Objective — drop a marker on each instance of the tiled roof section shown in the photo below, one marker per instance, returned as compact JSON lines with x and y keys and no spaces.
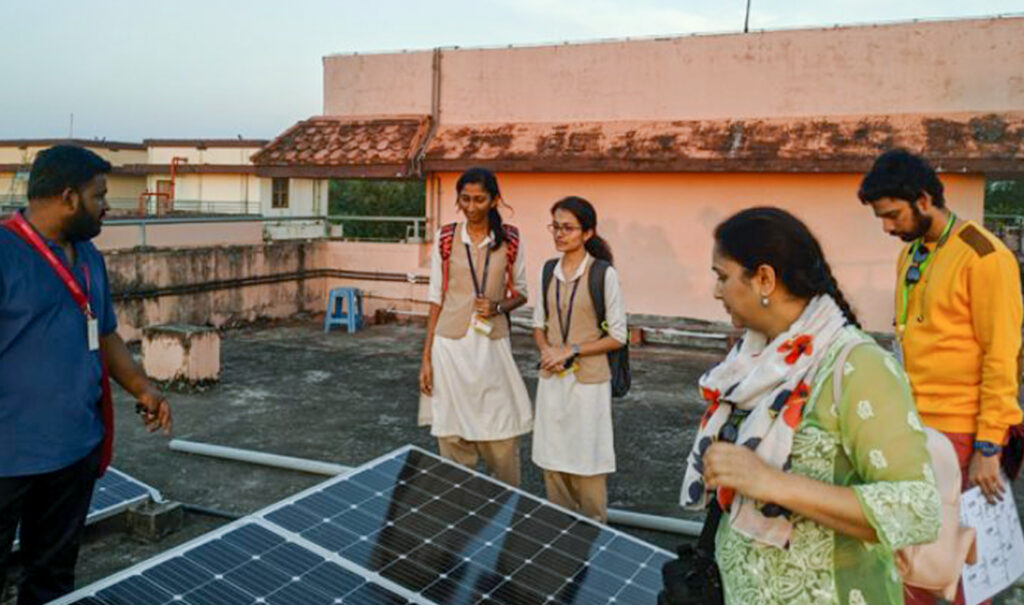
{"x":345,"y":147}
{"x":991,"y":143}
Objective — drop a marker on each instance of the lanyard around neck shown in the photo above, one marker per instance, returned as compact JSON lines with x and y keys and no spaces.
{"x":479,"y":286}
{"x":906,"y":288}
{"x":566,"y":323}
{"x":24,"y":230}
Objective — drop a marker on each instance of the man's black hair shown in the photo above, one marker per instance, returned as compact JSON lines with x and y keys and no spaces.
{"x":899,"y":174}
{"x":62,"y":166}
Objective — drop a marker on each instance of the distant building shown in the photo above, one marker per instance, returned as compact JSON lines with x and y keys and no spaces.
{"x":124,"y":184}
{"x":210,"y":175}
{"x":669,"y":136}
{"x":158,"y":176}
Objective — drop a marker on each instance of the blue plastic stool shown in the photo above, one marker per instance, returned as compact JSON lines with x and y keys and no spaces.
{"x":344,"y":308}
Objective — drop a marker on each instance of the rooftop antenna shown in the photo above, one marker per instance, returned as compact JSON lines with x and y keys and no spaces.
{"x":746,"y":20}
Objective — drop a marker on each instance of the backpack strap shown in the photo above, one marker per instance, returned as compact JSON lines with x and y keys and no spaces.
{"x":511,"y":253}
{"x":545,"y":280}
{"x":445,"y":247}
{"x":596,"y":285}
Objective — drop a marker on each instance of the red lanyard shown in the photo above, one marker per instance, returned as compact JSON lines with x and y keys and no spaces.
{"x":21,"y":228}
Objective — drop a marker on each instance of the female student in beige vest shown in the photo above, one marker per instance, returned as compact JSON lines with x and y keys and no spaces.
{"x":472,"y":393}
{"x":572,"y":439}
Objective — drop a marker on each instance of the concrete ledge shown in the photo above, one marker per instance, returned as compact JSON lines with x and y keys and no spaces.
{"x":151,"y":521}
{"x":182,"y":355}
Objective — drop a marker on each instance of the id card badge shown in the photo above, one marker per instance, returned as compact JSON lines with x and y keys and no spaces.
{"x":575,"y":367}
{"x":93,"y":328}
{"x":481,"y":325}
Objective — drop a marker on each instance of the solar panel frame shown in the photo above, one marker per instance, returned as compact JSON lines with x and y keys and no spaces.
{"x":97,"y":512}
{"x":330,"y":499}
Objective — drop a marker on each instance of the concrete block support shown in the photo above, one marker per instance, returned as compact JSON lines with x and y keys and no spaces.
{"x":151,"y":521}
{"x":182,"y":354}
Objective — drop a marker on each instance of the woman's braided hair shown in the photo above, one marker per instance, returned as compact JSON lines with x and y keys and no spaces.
{"x":774,"y":237}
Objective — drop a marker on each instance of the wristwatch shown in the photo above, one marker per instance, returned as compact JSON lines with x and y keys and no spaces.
{"x":497,"y":308}
{"x":572,"y":358}
{"x":987,"y":448}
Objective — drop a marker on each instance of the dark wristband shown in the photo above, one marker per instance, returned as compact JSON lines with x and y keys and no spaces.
{"x":987,"y":448}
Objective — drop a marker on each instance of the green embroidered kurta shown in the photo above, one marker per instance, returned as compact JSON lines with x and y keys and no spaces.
{"x":873,"y":441}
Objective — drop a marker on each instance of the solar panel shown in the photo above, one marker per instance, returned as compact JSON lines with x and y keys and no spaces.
{"x":407,"y":527}
{"x":114,"y":493}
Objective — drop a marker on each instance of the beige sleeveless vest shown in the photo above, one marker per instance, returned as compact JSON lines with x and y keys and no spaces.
{"x":583,"y":328}
{"x":457,"y":306}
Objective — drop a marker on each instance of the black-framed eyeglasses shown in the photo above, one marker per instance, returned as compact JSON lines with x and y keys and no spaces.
{"x":556,"y":228}
{"x":914,"y":271}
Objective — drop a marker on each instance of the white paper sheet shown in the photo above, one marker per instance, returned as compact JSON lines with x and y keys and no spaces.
{"x":1000,"y":544}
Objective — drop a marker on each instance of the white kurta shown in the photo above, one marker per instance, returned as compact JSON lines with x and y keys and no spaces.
{"x":479,"y":394}
{"x":573,"y":428}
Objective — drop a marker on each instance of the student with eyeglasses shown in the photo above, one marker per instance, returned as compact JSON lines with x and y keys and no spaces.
{"x":958,"y":316}
{"x":572,"y":434}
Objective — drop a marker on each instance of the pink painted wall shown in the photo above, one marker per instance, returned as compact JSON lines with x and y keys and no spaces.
{"x":375,"y":84}
{"x":660,"y":229}
{"x":148,"y":269}
{"x":411,"y":259}
{"x":932,"y":67}
{"x":153,"y":268}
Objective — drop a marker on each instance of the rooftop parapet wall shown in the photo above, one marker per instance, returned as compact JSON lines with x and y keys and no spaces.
{"x":913,"y":68}
{"x":214,"y":286}
{"x":227,"y":285}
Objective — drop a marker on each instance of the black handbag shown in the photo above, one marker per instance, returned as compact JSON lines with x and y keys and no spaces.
{"x":693,"y":578}
{"x":1013,"y":452}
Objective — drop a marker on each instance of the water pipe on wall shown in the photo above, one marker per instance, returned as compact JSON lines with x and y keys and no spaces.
{"x":166,"y":195}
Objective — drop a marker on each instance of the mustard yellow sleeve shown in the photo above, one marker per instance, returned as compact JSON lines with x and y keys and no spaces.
{"x":996,"y":311}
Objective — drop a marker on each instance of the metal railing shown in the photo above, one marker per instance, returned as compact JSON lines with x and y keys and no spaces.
{"x":415,"y":229}
{"x":416,"y":225}
{"x":130,"y":204}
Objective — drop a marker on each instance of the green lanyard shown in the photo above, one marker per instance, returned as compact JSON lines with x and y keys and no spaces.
{"x":907,"y":288}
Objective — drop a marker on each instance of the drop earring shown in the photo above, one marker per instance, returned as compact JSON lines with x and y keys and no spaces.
{"x":764,"y":301}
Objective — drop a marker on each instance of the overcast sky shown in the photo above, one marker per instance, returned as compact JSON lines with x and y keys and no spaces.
{"x":132,"y":69}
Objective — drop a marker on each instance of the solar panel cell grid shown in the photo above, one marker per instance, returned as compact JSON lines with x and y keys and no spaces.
{"x":408,"y":526}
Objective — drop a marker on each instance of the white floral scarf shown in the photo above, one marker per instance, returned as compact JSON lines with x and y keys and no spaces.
{"x":767,"y":384}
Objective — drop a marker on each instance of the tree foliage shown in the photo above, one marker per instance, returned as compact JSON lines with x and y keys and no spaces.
{"x":1004,"y":197}
{"x":376,"y":198}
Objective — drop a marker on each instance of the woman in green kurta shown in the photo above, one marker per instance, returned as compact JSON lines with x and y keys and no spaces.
{"x":819,"y":493}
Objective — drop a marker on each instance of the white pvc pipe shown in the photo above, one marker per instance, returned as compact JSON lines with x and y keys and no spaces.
{"x":619,"y":517}
{"x":254,"y":457}
{"x":665,"y":524}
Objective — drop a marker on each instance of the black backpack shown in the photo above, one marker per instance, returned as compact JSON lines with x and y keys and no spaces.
{"x":618,"y":360}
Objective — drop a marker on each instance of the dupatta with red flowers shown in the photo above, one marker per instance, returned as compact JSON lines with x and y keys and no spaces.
{"x":768,"y":384}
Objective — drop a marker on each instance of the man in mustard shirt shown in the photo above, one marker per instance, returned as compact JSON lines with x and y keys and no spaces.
{"x":958,"y":314}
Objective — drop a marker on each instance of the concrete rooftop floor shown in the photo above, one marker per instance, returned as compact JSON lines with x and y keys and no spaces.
{"x":290,"y":389}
